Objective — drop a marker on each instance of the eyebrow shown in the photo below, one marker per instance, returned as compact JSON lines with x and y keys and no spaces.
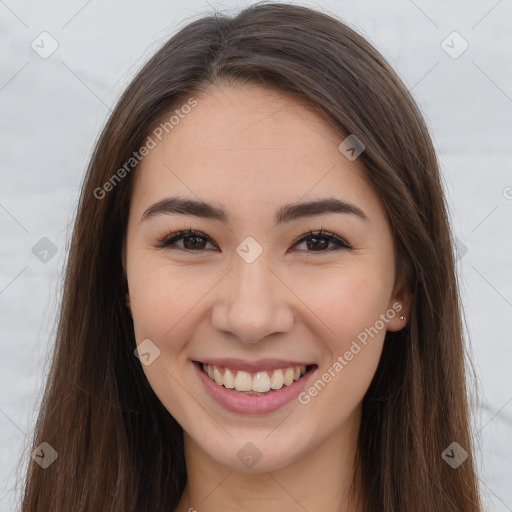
{"x":286,"y":213}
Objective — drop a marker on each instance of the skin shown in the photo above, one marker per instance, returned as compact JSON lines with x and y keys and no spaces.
{"x":250,"y":150}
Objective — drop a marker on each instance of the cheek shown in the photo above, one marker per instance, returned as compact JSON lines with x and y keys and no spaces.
{"x":347,"y":301}
{"x":164,"y":301}
{"x":351,"y":306}
{"x":165,"y":309}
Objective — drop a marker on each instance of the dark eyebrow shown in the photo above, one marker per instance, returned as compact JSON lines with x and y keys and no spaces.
{"x":286,"y":213}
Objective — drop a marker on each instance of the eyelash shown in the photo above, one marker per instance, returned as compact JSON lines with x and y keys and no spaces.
{"x":171,"y":238}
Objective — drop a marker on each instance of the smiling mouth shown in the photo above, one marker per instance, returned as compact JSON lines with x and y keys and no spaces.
{"x":254,"y":383}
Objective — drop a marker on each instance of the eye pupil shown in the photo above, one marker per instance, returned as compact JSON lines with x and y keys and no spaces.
{"x":195,"y":239}
{"x":319,"y":245}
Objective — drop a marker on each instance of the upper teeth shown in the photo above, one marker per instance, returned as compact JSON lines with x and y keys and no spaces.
{"x":260,"y":382}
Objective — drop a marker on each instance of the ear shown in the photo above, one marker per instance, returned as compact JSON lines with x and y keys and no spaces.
{"x":400,"y":304}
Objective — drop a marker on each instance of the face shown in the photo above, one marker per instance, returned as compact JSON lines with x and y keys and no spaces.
{"x":257,"y":288}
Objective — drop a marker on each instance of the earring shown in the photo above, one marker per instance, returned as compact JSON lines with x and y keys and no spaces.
{"x":402,"y":317}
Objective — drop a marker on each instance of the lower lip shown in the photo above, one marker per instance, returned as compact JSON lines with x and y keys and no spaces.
{"x":252,"y":404}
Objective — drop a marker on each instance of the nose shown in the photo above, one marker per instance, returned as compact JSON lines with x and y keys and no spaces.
{"x":253,"y":302}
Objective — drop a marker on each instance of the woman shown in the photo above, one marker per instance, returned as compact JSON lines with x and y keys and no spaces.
{"x":260,"y":308}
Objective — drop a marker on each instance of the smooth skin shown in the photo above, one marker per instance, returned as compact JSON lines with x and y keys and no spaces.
{"x":251,"y":150}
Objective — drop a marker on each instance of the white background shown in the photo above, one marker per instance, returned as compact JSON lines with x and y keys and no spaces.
{"x":52,"y":111}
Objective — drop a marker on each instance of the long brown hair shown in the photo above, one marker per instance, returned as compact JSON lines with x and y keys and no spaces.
{"x":118,"y":448}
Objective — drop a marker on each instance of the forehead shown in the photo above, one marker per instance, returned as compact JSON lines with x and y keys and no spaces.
{"x":249,"y":147}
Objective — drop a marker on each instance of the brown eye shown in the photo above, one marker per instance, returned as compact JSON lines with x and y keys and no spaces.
{"x":320,"y":240}
{"x":192,"y":240}
{"x":192,"y":243}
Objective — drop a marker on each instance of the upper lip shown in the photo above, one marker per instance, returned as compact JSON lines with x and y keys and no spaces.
{"x":252,"y":366}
